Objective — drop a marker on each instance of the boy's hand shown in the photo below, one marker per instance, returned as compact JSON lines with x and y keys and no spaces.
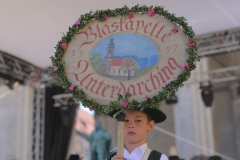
{"x":118,"y":157}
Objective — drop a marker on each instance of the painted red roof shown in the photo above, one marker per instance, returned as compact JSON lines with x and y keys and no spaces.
{"x":117,"y":61}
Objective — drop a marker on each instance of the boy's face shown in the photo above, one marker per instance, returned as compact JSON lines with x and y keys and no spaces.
{"x":136,"y":127}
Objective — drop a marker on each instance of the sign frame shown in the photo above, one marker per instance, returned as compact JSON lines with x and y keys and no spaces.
{"x":123,"y":101}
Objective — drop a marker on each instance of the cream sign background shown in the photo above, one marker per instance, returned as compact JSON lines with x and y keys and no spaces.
{"x":105,"y":87}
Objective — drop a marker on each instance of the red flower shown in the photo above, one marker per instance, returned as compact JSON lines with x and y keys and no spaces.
{"x":64,"y":45}
{"x":186,"y":66}
{"x":166,"y":84}
{"x":105,"y":17}
{"x":90,"y":108}
{"x":77,"y":22}
{"x":55,"y":69}
{"x":125,"y":104}
{"x":175,"y":30}
{"x":130,"y":15}
{"x":146,"y":98}
{"x":71,"y":87}
{"x":191,"y":43}
{"x":151,"y":12}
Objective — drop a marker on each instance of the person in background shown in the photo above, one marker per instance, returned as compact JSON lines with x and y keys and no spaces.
{"x":173,"y":154}
{"x":215,"y":158}
{"x":74,"y":157}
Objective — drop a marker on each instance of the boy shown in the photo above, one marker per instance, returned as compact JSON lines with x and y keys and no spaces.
{"x":136,"y":127}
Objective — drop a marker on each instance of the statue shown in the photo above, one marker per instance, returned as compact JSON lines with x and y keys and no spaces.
{"x":100,"y":143}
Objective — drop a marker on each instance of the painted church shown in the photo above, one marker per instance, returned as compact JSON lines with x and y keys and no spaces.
{"x":113,"y":65}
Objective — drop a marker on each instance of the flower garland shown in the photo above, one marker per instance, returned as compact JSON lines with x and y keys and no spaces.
{"x":123,"y":104}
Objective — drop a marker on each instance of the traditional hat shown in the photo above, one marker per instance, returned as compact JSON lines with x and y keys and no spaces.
{"x":157,"y":115}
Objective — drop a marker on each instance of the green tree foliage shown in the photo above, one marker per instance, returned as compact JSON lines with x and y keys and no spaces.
{"x":129,"y":65}
{"x":98,"y":63}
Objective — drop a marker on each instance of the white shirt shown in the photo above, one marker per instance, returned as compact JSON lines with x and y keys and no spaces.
{"x":137,"y":153}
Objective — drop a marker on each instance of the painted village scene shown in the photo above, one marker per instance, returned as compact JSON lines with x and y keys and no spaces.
{"x":124,"y":56}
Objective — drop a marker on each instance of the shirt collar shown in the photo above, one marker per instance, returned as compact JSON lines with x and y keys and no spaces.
{"x":142,"y":148}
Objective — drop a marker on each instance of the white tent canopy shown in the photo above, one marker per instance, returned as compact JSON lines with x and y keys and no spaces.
{"x":31,"y":29}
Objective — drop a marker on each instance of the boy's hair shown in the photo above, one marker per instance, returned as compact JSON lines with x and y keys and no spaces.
{"x":149,"y":117}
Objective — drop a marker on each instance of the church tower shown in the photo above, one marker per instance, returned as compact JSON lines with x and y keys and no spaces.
{"x":109,"y":59}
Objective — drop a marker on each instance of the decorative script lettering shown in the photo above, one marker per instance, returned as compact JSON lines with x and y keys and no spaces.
{"x":155,"y":81}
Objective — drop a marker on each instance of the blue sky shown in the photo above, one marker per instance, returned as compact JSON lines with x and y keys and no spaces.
{"x":127,"y":44}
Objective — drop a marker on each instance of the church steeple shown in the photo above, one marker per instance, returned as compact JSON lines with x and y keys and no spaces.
{"x":111,"y":43}
{"x":110,"y":54}
{"x":110,"y":48}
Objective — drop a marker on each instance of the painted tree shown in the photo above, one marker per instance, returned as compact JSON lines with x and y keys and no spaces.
{"x":98,"y":63}
{"x":129,"y":65}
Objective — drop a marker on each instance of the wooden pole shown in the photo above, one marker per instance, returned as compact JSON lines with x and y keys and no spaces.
{"x":120,"y":134}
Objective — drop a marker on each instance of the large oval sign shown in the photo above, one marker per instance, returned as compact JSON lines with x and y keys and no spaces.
{"x":105,"y":57}
{"x":139,"y":56}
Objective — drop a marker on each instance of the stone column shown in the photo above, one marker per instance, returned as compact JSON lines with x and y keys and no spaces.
{"x":206,"y":119}
{"x":236,"y":115}
{"x":186,"y":124}
{"x":193,"y":121}
{"x":15,"y":122}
